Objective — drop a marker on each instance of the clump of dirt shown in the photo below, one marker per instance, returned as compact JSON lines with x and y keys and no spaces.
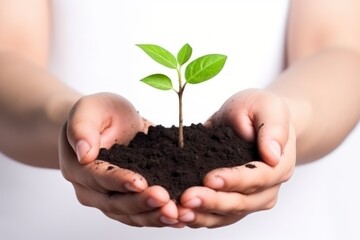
{"x":157,"y":157}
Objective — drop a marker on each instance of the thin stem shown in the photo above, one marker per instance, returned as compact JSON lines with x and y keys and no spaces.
{"x":181,"y":131}
{"x":180,"y":94}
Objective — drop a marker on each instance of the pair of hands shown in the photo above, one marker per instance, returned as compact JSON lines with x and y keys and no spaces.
{"x":227,"y":194}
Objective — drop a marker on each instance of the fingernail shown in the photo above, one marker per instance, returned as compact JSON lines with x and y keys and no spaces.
{"x":217,"y":182}
{"x":275,"y":149}
{"x":168,"y":221}
{"x":193,"y":203}
{"x":188,"y":217}
{"x":153,"y":203}
{"x":131,"y":187}
{"x":82,"y":148}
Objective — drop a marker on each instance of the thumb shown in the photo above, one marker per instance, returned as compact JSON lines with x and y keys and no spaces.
{"x":87,"y":126}
{"x":84,"y":138}
{"x":272,"y":135}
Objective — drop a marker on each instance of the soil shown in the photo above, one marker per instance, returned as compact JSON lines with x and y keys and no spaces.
{"x":157,"y":157}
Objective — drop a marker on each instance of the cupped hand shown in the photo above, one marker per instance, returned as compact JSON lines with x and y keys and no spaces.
{"x":229,"y":194}
{"x":100,"y":120}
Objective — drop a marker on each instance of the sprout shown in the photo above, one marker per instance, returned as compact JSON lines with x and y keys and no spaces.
{"x":197,"y":71}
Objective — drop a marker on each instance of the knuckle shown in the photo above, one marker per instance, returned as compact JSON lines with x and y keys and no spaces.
{"x":285,"y":177}
{"x":199,"y":222}
{"x":83,"y":200}
{"x":240,"y":210}
{"x":271,"y":204}
{"x":125,"y":219}
{"x":66,"y":175}
{"x":194,"y":225}
{"x":110,"y":207}
{"x":256,"y":186}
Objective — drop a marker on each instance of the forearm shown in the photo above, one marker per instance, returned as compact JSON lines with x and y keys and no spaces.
{"x":33,"y":106}
{"x":322,"y":94}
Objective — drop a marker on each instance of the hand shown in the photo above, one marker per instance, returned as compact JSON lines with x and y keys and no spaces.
{"x":101,"y":120}
{"x":229,"y":194}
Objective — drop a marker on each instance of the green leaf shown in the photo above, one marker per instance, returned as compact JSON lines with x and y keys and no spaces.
{"x":204,"y":68}
{"x":159,"y":54}
{"x":159,"y":81}
{"x":184,"y":54}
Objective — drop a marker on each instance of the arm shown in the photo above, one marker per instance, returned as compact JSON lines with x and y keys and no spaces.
{"x":313,"y":104}
{"x":321,"y":84}
{"x":33,"y":104}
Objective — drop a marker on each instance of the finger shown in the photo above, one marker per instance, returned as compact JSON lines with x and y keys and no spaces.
{"x":255,"y":176}
{"x":257,"y":115}
{"x":248,"y":180}
{"x":100,"y":120}
{"x":243,"y":179}
{"x":151,"y":218}
{"x":208,"y":220}
{"x":99,"y":189}
{"x":272,"y":127}
{"x":237,"y":119}
{"x":123,"y":203}
{"x":85,"y":140}
{"x":98,"y":175}
{"x":197,"y":219}
{"x":216,"y":208}
{"x":102,"y":175}
{"x":88,"y":128}
{"x":230,"y":179}
{"x":225,"y":203}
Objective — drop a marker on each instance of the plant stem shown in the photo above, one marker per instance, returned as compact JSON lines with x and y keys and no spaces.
{"x":181,"y":131}
{"x":180,"y":94}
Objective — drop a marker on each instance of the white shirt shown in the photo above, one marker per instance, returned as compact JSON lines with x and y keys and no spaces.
{"x":94,"y":50}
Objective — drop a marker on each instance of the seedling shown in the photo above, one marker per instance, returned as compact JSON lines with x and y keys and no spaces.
{"x":197,"y":71}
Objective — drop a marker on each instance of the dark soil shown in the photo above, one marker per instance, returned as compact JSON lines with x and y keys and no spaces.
{"x":157,"y":157}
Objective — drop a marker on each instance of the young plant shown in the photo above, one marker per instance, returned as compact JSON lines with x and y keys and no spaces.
{"x":197,"y":71}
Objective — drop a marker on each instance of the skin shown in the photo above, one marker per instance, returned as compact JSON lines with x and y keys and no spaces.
{"x":294,"y":120}
{"x":33,"y":104}
{"x":323,"y":56}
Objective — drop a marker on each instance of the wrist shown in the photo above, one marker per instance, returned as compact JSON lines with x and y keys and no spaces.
{"x":58,"y":106}
{"x":300,"y":114}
